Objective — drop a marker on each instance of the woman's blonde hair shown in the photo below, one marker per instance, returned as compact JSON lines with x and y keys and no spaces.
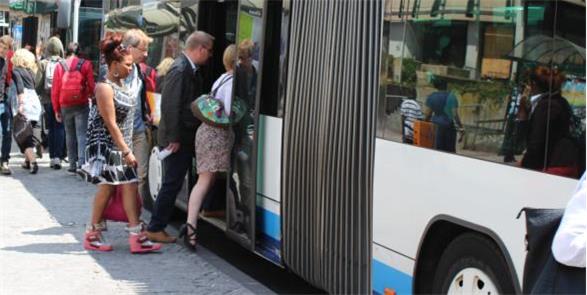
{"x":246,"y":46}
{"x":25,"y":59}
{"x":229,"y":57}
{"x":164,"y":66}
{"x":7,"y":41}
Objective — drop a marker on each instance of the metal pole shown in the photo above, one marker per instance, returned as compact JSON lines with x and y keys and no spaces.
{"x":76,"y":5}
{"x":401,"y":60}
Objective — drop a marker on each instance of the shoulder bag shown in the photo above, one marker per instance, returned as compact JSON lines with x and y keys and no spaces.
{"x":542,"y":273}
{"x":211,"y":111}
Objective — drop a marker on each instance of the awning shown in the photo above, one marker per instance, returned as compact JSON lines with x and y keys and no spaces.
{"x":33,"y":6}
{"x":550,"y":51}
{"x":156,"y":20}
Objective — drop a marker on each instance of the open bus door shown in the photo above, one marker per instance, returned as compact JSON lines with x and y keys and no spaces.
{"x":220,"y":19}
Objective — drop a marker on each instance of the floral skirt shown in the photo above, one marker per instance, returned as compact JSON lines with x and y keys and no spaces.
{"x":213,"y":148}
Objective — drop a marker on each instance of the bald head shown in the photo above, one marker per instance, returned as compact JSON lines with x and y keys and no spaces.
{"x":199,"y":46}
{"x":197,"y":39}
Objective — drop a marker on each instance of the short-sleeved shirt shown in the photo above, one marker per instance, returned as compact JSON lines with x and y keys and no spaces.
{"x":411,"y":111}
{"x":442,"y":104}
{"x":23,"y":78}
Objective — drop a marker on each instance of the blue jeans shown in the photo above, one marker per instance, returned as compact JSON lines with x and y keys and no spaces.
{"x":75,"y":119}
{"x":6,"y":122}
{"x":56,"y":136}
{"x":175,"y":167}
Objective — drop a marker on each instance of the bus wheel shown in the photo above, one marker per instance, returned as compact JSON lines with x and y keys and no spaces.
{"x":154,"y":179}
{"x":472,"y":264}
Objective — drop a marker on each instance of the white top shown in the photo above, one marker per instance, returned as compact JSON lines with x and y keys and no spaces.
{"x":224,"y":93}
{"x":412,"y":111}
{"x":191,"y":62}
{"x":568,"y":246}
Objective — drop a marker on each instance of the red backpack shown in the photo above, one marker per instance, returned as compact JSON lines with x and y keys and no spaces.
{"x":73,"y":82}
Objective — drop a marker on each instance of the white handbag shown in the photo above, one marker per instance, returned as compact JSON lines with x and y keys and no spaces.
{"x":32,"y":108}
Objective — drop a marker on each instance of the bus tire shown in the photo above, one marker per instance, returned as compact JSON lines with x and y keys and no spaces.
{"x":472,"y":263}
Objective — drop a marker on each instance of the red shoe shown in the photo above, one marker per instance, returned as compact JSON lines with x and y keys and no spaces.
{"x":137,"y":239}
{"x":94,"y":241}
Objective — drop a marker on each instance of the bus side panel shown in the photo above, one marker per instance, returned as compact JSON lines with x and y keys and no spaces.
{"x":412,"y":185}
{"x":269,"y":159}
{"x":268,"y":221}
{"x":390,"y":270}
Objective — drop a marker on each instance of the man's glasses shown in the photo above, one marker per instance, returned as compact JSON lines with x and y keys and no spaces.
{"x":141,"y":49}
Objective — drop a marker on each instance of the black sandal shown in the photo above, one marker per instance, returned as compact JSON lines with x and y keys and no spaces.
{"x":188,"y":238}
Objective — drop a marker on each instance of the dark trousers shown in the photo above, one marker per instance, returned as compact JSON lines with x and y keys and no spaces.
{"x":56,"y":136}
{"x":175,"y":168}
{"x":6,"y":122}
{"x":445,"y":139}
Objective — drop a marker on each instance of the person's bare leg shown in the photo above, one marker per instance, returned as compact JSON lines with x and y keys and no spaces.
{"x":129,"y":202}
{"x":29,"y":155}
{"x":100,"y":202}
{"x":205,"y":181}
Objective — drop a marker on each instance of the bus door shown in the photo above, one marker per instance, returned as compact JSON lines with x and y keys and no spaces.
{"x":231,"y":22}
{"x":242,"y":179}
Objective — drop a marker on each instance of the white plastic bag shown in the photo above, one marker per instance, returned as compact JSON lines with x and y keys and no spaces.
{"x":32,"y":108}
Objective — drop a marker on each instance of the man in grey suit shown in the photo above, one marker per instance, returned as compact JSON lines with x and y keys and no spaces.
{"x":177,"y":127}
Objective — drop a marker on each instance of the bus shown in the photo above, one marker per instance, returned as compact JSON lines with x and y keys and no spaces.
{"x":337,"y":175}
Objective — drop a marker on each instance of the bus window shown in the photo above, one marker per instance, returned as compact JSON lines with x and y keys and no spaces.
{"x":90,"y":28}
{"x":249,"y":42}
{"x":563,"y":109}
{"x":453,"y":80}
{"x":271,"y":103}
{"x":161,"y":19}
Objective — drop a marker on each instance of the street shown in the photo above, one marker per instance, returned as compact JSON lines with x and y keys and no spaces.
{"x":43,"y":219}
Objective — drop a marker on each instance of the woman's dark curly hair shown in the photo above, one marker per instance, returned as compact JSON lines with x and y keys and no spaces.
{"x":112,"y":49}
{"x":547,"y":79}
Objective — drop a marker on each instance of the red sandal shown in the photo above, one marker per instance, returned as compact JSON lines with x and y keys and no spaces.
{"x":94,"y":241}
{"x":137,"y":239}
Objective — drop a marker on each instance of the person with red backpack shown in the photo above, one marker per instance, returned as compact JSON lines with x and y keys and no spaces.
{"x":73,"y":85}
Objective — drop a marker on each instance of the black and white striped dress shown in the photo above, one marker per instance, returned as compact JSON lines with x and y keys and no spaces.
{"x":104,"y":161}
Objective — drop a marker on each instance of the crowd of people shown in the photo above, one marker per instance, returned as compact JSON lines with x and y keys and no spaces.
{"x":51,"y":99}
{"x":102,"y":127}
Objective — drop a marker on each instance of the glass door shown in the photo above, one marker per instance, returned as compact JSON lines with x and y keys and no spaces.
{"x":241,"y":192}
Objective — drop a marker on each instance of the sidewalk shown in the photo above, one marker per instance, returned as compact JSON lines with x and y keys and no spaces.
{"x":42,"y":221}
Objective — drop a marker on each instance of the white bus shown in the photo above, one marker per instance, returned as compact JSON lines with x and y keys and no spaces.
{"x":328,"y":178}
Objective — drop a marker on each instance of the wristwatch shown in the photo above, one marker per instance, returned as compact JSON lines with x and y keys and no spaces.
{"x":126,"y":153}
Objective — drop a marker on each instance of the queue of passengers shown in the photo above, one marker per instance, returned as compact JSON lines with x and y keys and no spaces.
{"x":102,"y":126}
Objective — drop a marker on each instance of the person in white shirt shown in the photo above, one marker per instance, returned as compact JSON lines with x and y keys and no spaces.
{"x":568,"y":246}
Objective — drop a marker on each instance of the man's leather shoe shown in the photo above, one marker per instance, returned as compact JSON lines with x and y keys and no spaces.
{"x":160,"y":237}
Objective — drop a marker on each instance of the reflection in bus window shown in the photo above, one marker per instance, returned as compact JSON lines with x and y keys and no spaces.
{"x":242,"y":177}
{"x":483,"y":52}
{"x":548,"y":110}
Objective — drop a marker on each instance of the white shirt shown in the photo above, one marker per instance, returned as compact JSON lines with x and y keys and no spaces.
{"x":191,"y":62}
{"x":412,"y":111}
{"x":568,"y":246}
{"x":224,"y":93}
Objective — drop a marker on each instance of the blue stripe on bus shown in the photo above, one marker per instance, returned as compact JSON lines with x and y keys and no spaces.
{"x":269,"y":223}
{"x":384,"y":276}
